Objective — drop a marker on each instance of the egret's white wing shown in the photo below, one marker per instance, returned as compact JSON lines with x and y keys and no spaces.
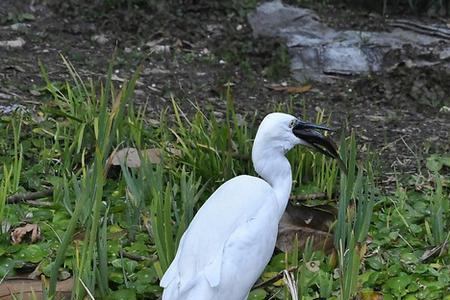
{"x":229,"y":208}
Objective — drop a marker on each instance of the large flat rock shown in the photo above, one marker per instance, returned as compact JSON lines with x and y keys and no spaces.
{"x":320,"y":52}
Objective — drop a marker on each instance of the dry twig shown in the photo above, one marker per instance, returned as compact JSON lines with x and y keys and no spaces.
{"x":138,"y":257}
{"x":29,"y":196}
{"x":274,"y":278}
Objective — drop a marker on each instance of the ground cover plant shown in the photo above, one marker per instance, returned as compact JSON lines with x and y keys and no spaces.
{"x":111,"y":221}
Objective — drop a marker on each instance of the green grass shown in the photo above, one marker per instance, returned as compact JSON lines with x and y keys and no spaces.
{"x":115,"y":229}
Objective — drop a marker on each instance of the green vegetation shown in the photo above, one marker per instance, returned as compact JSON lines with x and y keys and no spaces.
{"x":114,"y":229}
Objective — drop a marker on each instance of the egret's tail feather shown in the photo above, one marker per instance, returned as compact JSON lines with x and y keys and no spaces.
{"x":171,"y":292}
{"x":199,"y":290}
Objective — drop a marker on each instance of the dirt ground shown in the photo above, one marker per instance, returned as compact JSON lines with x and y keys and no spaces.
{"x":193,"y":51}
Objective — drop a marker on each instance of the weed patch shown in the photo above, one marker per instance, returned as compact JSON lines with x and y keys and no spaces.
{"x":114,"y":230}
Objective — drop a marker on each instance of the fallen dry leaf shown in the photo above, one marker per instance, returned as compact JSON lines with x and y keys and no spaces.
{"x":28,"y":289}
{"x":290,"y":89}
{"x":32,"y":230}
{"x":174,"y":151}
{"x":305,"y":221}
{"x":153,"y":155}
{"x":434,"y":252}
{"x":130,"y":157}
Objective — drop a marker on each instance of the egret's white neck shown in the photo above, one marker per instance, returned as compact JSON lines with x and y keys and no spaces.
{"x":274,"y":167}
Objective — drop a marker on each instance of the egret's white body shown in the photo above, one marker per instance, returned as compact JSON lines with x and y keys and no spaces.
{"x":232,"y":237}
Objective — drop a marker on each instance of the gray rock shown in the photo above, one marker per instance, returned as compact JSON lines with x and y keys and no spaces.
{"x":319,"y":51}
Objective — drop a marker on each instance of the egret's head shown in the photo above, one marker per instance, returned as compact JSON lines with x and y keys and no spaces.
{"x":280,"y":132}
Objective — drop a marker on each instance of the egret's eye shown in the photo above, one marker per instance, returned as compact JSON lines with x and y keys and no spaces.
{"x":293,"y":123}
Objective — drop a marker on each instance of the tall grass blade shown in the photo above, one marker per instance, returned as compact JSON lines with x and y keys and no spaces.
{"x":105,"y":123}
{"x":354,"y":215}
{"x":4,"y":191}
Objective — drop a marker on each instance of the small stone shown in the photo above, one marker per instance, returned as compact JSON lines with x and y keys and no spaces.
{"x":160,"y":49}
{"x":218,"y":114}
{"x":149,"y":71}
{"x":21,"y":27}
{"x":35,"y":92}
{"x":153,"y":122}
{"x":100,"y":39}
{"x":17,"y":43}
{"x":139,"y":93}
{"x":444,"y":54}
{"x":5,"y":96}
{"x":214,"y":28}
{"x":75,"y":29}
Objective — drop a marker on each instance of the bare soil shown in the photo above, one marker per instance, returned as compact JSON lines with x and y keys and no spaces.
{"x":195,"y":50}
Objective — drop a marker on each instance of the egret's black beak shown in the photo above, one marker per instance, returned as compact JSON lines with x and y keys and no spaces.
{"x":323,"y":144}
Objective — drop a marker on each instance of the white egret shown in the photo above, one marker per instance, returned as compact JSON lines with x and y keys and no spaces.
{"x":232,"y":237}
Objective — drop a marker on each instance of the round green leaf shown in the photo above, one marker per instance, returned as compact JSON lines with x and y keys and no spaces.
{"x":125,"y":294}
{"x":434,"y":163}
{"x":146,"y":275}
{"x":397,"y":285}
{"x":6,"y":266}
{"x":116,"y":277}
{"x":258,"y":294}
{"x":32,"y":253}
{"x":128,"y":264}
{"x":375,"y":263}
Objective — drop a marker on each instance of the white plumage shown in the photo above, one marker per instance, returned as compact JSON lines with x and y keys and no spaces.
{"x":232,"y":237}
